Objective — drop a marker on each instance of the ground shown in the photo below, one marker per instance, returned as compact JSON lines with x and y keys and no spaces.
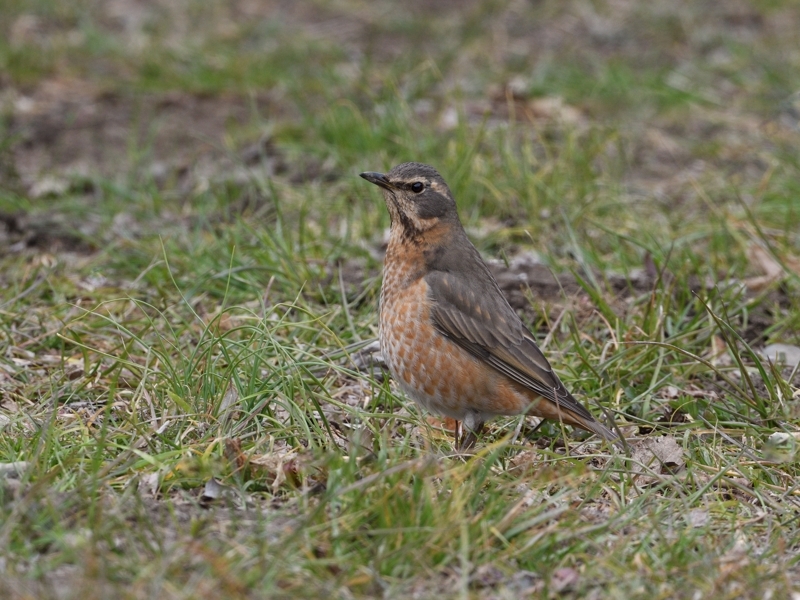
{"x":190,"y":265}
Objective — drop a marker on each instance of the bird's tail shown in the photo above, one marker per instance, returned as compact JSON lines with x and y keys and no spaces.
{"x":598,"y":428}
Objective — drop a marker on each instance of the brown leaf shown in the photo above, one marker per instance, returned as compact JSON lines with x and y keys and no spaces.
{"x":564,"y":579}
{"x":762,"y":261}
{"x":279,"y":468}
{"x":233,"y":453}
{"x":662,"y":455}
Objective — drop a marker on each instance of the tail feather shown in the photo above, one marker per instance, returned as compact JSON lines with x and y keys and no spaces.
{"x":598,"y":428}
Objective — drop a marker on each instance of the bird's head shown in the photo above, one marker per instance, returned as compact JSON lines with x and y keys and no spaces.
{"x":417,"y":197}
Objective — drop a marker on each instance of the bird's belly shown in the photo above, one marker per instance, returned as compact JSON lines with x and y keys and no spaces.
{"x":437,"y":373}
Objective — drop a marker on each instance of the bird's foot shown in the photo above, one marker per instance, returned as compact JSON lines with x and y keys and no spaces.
{"x":466,"y":437}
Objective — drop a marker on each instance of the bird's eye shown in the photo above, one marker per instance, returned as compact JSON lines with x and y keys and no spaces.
{"x":417,"y":187}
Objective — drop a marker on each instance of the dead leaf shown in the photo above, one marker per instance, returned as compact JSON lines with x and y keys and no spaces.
{"x":670,"y":392}
{"x":487,"y":576}
{"x":555,"y":109}
{"x":780,"y":447}
{"x":764,"y":262}
{"x":662,"y":456}
{"x":526,"y":584}
{"x":697,"y":517}
{"x":233,"y":453}
{"x":564,"y":579}
{"x":360,"y":439}
{"x":782,"y":353}
{"x":229,"y":400}
{"x":13,"y":469}
{"x":150,"y":483}
{"x":278,"y":468}
{"x":735,"y":558}
{"x":49,"y":186}
{"x":214,"y":490}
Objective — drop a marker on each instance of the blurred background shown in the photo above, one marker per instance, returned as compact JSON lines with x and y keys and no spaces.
{"x":679,"y":106}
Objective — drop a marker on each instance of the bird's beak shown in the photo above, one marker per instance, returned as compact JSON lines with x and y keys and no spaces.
{"x":378,"y":179}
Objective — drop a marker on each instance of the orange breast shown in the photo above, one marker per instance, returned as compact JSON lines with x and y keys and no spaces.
{"x":433,"y":370}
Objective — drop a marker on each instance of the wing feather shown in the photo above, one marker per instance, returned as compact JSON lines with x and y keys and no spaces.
{"x":486,"y":326}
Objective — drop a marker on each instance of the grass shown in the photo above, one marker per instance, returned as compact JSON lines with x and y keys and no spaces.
{"x":184,"y":408}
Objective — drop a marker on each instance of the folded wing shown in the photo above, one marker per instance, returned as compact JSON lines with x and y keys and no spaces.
{"x":482,"y":322}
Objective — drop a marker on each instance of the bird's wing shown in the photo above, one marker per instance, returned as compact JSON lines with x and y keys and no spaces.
{"x":481,"y":321}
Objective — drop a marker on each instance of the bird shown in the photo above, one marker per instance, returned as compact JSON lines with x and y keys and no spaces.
{"x":447,"y":333}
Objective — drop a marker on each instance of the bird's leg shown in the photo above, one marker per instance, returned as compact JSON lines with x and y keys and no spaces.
{"x":468,"y":441}
{"x":474,"y":426}
{"x":531,"y":432}
{"x":458,"y":430}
